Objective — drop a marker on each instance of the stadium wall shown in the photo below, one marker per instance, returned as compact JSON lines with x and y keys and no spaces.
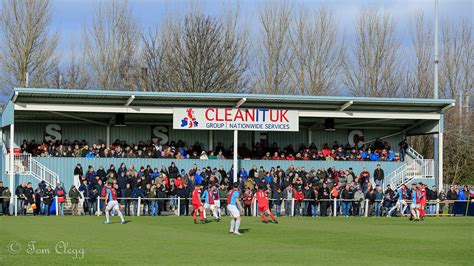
{"x":135,"y":133}
{"x":65,"y":166}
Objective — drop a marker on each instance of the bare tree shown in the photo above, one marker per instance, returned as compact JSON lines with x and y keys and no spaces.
{"x":457,"y":72}
{"x":28,"y":46}
{"x":421,"y":82}
{"x":156,"y":45}
{"x":273,"y":58}
{"x":112,"y":46}
{"x":420,"y":73}
{"x":74,"y":75}
{"x":373,"y":68}
{"x":197,"y":54}
{"x":317,"y":52}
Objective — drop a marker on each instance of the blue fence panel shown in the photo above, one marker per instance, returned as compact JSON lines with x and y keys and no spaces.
{"x":65,"y":166}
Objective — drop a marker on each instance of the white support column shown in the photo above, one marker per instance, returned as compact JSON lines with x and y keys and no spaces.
{"x":179,"y":206}
{"x":439,"y":148}
{"x":440,"y":161}
{"x":98,"y":206}
{"x":211,"y":140}
{"x":139,"y":205}
{"x":366,"y":209}
{"x":236,"y":167}
{"x":57,"y":205}
{"x":107,"y":138}
{"x":310,"y":137}
{"x":12,"y":154}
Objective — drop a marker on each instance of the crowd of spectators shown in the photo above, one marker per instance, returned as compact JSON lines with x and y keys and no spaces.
{"x":376,"y":151}
{"x":312,"y":191}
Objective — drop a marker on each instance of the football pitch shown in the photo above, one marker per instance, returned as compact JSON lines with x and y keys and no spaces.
{"x":294,"y":241}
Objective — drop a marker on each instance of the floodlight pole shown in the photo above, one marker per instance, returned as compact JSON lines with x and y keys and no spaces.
{"x":437,"y":141}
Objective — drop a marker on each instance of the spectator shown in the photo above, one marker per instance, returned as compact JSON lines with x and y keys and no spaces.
{"x":299,"y":198}
{"x":347,"y":195}
{"x":75,"y":196}
{"x":288,"y":196}
{"x":278,"y":199}
{"x":324,"y":199}
{"x":387,"y":204}
{"x":452,"y":195}
{"x":370,"y":195}
{"x":126,"y":194}
{"x":358,"y":201}
{"x":379,"y":176}
{"x":61,"y":194}
{"x":403,"y":146}
{"x":247,"y":199}
{"x":307,"y":192}
{"x":19,"y":192}
{"x":93,"y":200}
{"x":182,"y":194}
{"x":378,"y":196}
{"x":48,"y":197}
{"x":6,"y":194}
{"x":442,"y":197}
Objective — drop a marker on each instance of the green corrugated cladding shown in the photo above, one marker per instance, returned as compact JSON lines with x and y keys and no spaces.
{"x":65,"y":166}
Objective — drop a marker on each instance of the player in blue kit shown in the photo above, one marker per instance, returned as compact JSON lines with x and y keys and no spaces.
{"x":415,"y":213}
{"x":234,"y":207}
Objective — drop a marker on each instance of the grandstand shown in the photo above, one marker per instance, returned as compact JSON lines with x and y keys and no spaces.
{"x":159,"y":120}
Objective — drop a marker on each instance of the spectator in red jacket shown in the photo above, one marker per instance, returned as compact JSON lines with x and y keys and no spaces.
{"x":299,"y":197}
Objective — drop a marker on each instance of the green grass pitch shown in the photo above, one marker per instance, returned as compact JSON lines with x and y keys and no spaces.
{"x":294,"y":241}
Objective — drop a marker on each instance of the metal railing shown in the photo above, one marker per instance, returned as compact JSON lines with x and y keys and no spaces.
{"x":419,"y":168}
{"x":423,"y":168}
{"x":398,"y":177}
{"x":285,"y":207}
{"x":416,"y":155}
{"x":24,"y":164}
{"x":42,"y":172}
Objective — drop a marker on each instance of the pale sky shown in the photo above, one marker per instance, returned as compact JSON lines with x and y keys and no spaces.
{"x":71,"y":15}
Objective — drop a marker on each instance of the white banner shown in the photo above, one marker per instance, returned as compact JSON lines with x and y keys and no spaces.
{"x":258,"y":119}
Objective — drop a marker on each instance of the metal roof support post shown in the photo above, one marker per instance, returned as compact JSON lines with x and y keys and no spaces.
{"x":440,"y":151}
{"x":12,"y":162}
{"x":107,"y":137}
{"x":211,"y":140}
{"x":309,"y":136}
{"x":236,"y":168}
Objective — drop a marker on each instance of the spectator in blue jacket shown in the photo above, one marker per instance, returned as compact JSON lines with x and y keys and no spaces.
{"x":90,"y":175}
{"x":243,"y":173}
{"x":154,"y":174}
{"x":198,"y":177}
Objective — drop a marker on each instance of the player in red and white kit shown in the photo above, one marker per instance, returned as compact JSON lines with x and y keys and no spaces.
{"x":197,"y":205}
{"x":261,"y":197}
{"x":422,"y":198}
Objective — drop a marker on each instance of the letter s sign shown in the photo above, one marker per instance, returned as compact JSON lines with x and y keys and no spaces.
{"x":53,"y":133}
{"x":159,"y":133}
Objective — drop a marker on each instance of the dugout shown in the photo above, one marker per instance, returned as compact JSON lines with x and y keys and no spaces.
{"x":92,"y":115}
